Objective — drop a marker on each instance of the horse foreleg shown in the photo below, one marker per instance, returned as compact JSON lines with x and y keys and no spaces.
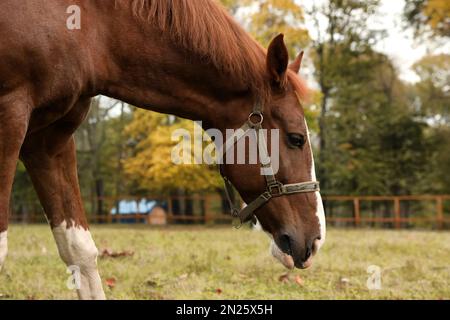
{"x":51,"y":163}
{"x":14,"y":118}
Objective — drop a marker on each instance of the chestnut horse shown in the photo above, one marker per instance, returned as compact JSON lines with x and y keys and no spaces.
{"x":181,"y":57}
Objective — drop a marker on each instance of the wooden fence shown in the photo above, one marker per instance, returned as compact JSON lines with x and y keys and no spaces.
{"x":400,"y":211}
{"x":428,"y":211}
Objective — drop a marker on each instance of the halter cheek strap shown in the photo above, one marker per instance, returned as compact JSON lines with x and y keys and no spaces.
{"x":274,"y":188}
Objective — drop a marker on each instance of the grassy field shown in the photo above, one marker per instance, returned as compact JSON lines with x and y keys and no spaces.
{"x":223,"y":263}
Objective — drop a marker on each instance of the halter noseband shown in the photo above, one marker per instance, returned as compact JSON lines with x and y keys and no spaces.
{"x":274,"y":188}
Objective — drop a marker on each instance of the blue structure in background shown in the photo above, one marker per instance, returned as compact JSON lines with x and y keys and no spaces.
{"x":132,"y":207}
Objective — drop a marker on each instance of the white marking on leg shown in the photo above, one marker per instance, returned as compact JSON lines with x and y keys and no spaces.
{"x":3,"y":247}
{"x":77,"y":248}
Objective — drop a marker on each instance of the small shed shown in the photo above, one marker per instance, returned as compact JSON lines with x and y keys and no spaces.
{"x":157,"y":217}
{"x":128,"y":209}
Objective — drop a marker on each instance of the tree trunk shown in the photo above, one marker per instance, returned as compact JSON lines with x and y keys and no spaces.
{"x":99,"y":189}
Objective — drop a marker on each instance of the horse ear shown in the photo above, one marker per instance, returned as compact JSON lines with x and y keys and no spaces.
{"x":278,"y":60}
{"x":296,"y":65}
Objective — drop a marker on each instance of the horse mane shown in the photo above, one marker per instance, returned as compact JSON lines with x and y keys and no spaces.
{"x":299,"y":85}
{"x":206,"y":29}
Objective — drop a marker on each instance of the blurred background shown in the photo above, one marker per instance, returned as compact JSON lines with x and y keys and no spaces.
{"x":379,"y":113}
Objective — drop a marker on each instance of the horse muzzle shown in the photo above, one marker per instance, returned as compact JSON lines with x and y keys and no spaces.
{"x":293,"y":253}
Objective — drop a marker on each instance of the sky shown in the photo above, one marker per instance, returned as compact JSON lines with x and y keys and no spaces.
{"x":399,"y":44}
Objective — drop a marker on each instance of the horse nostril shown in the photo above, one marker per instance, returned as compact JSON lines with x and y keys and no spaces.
{"x":285,"y":242}
{"x":311,"y":248}
{"x":309,"y":251}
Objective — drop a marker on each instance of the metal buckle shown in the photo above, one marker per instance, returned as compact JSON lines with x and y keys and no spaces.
{"x":255,"y":114}
{"x":275,"y":190}
{"x":234,"y":212}
{"x":236,"y":219}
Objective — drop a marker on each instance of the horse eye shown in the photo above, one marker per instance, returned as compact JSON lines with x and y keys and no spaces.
{"x":296,"y":140}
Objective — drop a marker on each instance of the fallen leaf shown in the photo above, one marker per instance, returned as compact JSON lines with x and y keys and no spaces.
{"x":299,"y":281}
{"x":108,"y":253}
{"x":284,"y":277}
{"x":111,"y":282}
{"x":152,"y":283}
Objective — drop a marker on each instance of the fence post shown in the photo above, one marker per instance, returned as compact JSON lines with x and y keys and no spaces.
{"x":440,"y":213}
{"x":357,"y":208}
{"x":169,"y":210}
{"x":109,"y":217}
{"x":397,"y":215}
{"x":208,"y":215}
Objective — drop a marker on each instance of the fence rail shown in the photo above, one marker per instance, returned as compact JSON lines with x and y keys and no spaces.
{"x":435,"y":206}
{"x":357,"y":211}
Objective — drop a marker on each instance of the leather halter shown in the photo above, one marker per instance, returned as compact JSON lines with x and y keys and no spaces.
{"x":274,"y":188}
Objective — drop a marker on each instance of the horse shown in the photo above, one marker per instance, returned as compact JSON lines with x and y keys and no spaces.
{"x":180,"y":57}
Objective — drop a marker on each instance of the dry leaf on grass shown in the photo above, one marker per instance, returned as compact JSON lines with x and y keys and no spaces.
{"x":111,"y":282}
{"x":108,"y":253}
{"x":284,"y":277}
{"x":156,"y":282}
{"x":299,"y":281}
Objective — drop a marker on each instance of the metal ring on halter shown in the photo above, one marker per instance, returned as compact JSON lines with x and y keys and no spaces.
{"x":256,"y":114}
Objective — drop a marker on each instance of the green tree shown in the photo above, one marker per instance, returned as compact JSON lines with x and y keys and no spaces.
{"x":433,"y":89}
{"x":431,"y":97}
{"x":343,"y":58}
{"x":101,"y":146}
{"x":375,"y":139}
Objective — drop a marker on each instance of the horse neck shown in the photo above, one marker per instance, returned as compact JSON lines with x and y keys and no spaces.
{"x":146,"y":69}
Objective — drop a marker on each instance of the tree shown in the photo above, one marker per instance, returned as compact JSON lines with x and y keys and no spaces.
{"x":151,"y":164}
{"x":100,"y":146}
{"x":428,"y":17}
{"x":433,"y":89}
{"x":375,"y":139}
{"x":341,"y":52}
{"x":273,"y":17}
{"x":431,"y":97}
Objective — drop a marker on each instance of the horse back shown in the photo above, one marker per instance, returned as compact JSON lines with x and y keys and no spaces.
{"x":40,"y":57}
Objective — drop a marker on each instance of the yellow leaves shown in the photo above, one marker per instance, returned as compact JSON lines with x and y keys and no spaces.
{"x":346,"y":146}
{"x":279,"y":16}
{"x":152,"y":167}
{"x":433,"y":65}
{"x":438,"y":13}
{"x":429,"y":17}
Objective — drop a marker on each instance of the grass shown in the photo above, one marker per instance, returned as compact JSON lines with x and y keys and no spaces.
{"x":223,"y":263}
